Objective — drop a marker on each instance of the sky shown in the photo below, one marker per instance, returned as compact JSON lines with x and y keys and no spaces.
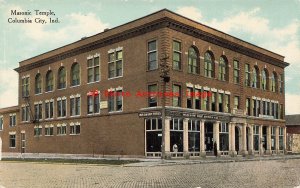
{"x":271,"y":24}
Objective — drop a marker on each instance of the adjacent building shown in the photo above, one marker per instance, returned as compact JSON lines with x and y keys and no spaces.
{"x":104,"y":95}
{"x":293,"y":133}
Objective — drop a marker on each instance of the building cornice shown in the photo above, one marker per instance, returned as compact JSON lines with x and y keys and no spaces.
{"x":164,"y":22}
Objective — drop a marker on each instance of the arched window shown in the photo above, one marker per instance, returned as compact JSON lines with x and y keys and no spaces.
{"x":255,"y":77}
{"x":274,"y":82}
{"x":223,"y":71}
{"x":193,"y":61}
{"x":75,"y":74}
{"x":49,"y":81}
{"x":61,"y":78}
{"x":38,"y":83}
{"x":209,"y":65}
{"x":264,"y":79}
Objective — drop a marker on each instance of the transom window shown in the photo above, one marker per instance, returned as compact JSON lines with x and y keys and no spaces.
{"x":152,"y":55}
{"x":193,"y":61}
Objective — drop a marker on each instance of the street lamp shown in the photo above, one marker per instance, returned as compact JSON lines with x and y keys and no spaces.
{"x":165,"y":70}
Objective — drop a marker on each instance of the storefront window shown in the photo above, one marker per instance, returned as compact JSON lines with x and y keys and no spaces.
{"x":153,"y":135}
{"x":176,"y":135}
{"x":194,"y":135}
{"x":224,"y":137}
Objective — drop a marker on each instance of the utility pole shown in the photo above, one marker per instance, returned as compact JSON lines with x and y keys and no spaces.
{"x":165,"y":70}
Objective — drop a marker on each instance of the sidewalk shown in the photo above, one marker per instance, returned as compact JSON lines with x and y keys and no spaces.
{"x":208,"y":159}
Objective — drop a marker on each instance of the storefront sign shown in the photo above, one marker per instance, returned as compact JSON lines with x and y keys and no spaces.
{"x":149,"y":114}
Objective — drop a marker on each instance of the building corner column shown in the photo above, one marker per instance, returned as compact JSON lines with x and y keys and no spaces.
{"x":216,"y":136}
{"x":202,"y":139}
{"x":232,"y":151}
{"x":261,"y":148}
{"x":244,"y":151}
{"x":269,"y":140}
{"x":250,"y":139}
{"x":277,"y":139}
{"x":284,"y":140}
{"x":185,"y":138}
{"x":167,"y":138}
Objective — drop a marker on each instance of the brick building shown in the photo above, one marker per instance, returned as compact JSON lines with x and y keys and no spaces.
{"x":88,"y":97}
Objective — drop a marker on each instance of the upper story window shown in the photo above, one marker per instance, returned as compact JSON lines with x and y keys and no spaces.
{"x":25,"y":113}
{"x":152,"y":55}
{"x":61,"y":107}
{"x":176,"y":55}
{"x":209,"y":65}
{"x":255,"y":77}
{"x":227,"y":103}
{"x":248,"y":109}
{"x":189,"y":98}
{"x":93,"y":103}
{"x":264,"y":79}
{"x":220,"y":101}
{"x":152,"y":99}
{"x":247,"y":75}
{"x":38,"y":84}
{"x":236,"y":102}
{"x":49,"y":106}
{"x":223,"y":70}
{"x":25,"y":86}
{"x":176,"y":95}
{"x":49,"y":81}
{"x":115,"y":64}
{"x":93,"y":69}
{"x":193,"y":60}
{"x":280,"y":81}
{"x":38,"y":109}
{"x":274,"y":82}
{"x":115,"y":100}
{"x":62,"y":78}
{"x":1,"y":123}
{"x":236,"y":72}
{"x":75,"y":105}
{"x":75,"y":74}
